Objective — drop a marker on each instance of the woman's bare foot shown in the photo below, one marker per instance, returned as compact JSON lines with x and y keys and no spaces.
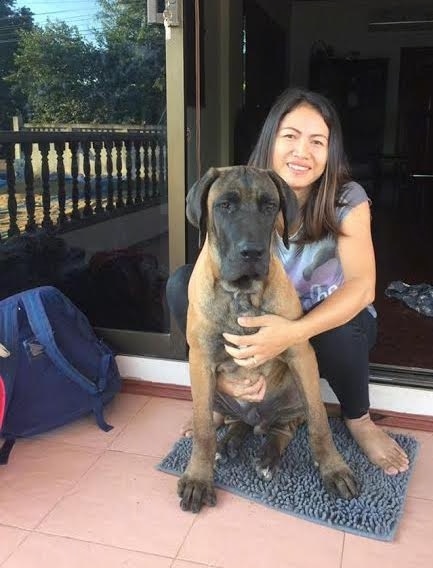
{"x":187,"y":429}
{"x":377,"y":445}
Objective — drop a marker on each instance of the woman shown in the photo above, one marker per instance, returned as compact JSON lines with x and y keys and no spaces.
{"x":330,"y":261}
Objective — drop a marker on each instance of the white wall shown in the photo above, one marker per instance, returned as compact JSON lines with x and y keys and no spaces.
{"x":344,"y":26}
{"x":382,"y":396}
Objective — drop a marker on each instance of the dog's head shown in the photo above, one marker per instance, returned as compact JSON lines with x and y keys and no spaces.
{"x":237,"y":207}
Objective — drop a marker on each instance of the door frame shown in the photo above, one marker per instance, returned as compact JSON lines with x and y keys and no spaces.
{"x":172,"y":344}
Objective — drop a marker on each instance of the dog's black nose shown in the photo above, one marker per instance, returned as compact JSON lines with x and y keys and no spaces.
{"x":251,"y":252}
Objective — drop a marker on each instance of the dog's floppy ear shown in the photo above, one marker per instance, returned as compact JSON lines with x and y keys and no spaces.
{"x":196,"y":202}
{"x":288,"y":204}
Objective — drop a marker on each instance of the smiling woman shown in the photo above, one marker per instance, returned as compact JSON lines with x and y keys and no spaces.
{"x":330,"y":262}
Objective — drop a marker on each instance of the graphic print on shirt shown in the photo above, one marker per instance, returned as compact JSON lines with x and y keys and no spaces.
{"x":319,"y":274}
{"x":320,"y":257}
{"x":315,"y":268}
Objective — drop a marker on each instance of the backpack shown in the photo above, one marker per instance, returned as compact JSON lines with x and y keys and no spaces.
{"x":53,"y":368}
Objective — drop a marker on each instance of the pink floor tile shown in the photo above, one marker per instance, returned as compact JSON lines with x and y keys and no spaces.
{"x":155,"y":429}
{"x":39,"y":472}
{"x":44,"y":551}
{"x":421,"y":484}
{"x":123,"y":501}
{"x":96,"y":499}
{"x":185,"y":564}
{"x":412,"y":548}
{"x":85,"y":432}
{"x":420,"y":435}
{"x":10,"y":538}
{"x":239,"y":533}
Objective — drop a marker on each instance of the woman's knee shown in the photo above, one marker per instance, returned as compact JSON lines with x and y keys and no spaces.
{"x":342,"y":356}
{"x":341,"y":349}
{"x":355,"y":337}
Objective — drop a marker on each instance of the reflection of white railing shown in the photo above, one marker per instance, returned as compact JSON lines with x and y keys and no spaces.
{"x":64,"y":177}
{"x":19,"y":126}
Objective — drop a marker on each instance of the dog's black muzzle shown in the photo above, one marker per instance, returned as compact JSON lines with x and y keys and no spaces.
{"x":246,"y":262}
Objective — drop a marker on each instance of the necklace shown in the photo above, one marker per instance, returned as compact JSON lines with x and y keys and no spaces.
{"x":296,"y":233}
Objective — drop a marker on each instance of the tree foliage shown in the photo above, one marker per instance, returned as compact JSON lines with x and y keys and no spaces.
{"x":55,"y":70}
{"x":119,"y":78}
{"x":132,"y":62}
{"x":12,"y":20}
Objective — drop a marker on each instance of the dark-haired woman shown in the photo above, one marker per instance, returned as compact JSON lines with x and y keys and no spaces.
{"x":330,"y":261}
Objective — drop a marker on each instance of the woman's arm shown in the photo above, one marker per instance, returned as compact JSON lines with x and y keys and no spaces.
{"x":276,"y":333}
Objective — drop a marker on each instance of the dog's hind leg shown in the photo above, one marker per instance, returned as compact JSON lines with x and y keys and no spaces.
{"x":228,"y":446}
{"x":277,"y":440}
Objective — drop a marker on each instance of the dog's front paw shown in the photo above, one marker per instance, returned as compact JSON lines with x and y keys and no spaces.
{"x":195,"y":493}
{"x":339,"y":480}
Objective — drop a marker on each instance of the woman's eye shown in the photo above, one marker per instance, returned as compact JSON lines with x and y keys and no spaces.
{"x":317,"y":142}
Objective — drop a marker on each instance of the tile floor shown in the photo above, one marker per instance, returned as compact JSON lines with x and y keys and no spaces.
{"x":81,"y":497}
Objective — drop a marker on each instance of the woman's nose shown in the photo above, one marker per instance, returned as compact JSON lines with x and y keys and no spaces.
{"x":300,"y":148}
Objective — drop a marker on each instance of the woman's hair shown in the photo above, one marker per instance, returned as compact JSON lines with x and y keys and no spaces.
{"x":319,"y":211}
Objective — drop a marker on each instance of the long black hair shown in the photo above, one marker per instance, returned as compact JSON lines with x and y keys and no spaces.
{"x":319,"y":211}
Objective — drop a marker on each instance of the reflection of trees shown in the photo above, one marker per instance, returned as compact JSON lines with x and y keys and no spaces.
{"x":120,"y":78}
{"x":12,"y":21}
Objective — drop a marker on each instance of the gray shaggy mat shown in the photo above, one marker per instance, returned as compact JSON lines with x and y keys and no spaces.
{"x":297,"y":488}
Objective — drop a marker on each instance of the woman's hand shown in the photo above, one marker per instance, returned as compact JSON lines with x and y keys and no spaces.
{"x":275,"y":335}
{"x":250,"y":390}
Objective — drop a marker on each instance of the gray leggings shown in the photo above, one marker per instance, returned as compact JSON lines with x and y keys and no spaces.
{"x":342,"y":353}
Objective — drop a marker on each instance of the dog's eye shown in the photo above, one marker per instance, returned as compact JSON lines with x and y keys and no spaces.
{"x":269,"y":206}
{"x":225,"y":205}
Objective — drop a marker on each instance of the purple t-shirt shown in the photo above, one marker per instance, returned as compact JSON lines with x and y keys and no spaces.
{"x":315,"y":268}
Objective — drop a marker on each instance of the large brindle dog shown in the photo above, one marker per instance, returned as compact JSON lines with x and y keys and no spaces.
{"x":237,"y":274}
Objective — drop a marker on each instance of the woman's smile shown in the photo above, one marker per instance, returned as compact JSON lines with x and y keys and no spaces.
{"x":297,"y":168}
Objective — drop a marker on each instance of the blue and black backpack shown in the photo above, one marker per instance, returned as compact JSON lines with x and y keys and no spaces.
{"x":53,"y":368}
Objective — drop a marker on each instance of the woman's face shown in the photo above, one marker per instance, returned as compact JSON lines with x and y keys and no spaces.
{"x":301,"y":149}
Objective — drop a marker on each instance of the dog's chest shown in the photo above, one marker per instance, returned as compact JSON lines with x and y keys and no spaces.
{"x":224,"y":310}
{"x":282,"y":400}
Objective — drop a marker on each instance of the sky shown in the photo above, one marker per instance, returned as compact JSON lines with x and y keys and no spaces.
{"x":79,"y":13}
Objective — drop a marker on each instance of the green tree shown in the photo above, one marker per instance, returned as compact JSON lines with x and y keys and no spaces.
{"x":12,"y":22}
{"x":119,"y":78}
{"x":132,"y":53}
{"x":55,"y":69}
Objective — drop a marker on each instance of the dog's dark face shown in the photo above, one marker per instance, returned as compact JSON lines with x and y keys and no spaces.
{"x":238,"y":208}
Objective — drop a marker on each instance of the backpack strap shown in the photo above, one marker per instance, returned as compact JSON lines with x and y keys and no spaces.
{"x":41,"y":327}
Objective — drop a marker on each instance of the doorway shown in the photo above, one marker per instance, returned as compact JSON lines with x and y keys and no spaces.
{"x":264,"y":70}
{"x":382,"y":85}
{"x":402,"y":231}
